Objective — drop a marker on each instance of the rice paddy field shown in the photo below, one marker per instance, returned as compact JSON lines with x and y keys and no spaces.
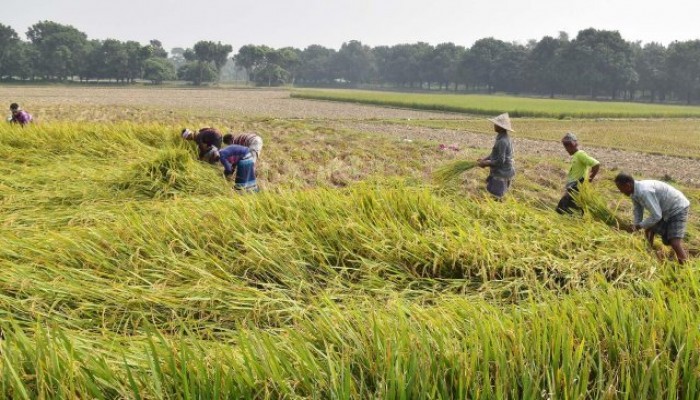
{"x":129,"y":270}
{"x":490,"y":104}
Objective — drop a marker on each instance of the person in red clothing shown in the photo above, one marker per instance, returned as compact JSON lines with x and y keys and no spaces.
{"x":206,"y":139}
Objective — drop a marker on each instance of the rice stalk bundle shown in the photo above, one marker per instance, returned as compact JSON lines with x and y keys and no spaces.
{"x":593,"y":204}
{"x":170,"y":172}
{"x":449,"y":173}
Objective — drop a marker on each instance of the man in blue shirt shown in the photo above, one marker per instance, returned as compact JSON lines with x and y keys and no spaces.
{"x":668,"y":211}
{"x":241,"y":159}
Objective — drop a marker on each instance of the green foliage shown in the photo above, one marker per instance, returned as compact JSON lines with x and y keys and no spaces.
{"x":158,"y":69}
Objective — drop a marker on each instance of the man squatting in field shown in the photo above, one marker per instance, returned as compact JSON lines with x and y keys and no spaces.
{"x":250,"y":140}
{"x":501,"y":158}
{"x":208,"y":142}
{"x":240,"y":158}
{"x":668,"y":211}
{"x":581,"y":162}
{"x":19,"y":116}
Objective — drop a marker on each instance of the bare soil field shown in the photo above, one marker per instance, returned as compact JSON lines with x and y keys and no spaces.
{"x":274,"y":103}
{"x":651,"y":166}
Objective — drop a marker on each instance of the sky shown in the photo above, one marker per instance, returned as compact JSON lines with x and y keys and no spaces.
{"x":300,"y":23}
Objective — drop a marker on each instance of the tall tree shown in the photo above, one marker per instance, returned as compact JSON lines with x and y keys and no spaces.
{"x":158,"y":69}
{"x":603,"y":60}
{"x":354,"y":62}
{"x":61,"y":48}
{"x":9,"y":47}
{"x":543,"y":66}
{"x":651,"y":66}
{"x":481,"y":61}
{"x":684,"y":68}
{"x":253,"y":58}
{"x":315,"y":64}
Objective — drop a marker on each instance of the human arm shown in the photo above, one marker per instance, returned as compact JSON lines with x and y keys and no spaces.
{"x":647,"y":201}
{"x":594,"y":172}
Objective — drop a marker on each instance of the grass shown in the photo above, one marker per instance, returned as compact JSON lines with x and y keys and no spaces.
{"x":494,"y":105}
{"x":129,"y":270}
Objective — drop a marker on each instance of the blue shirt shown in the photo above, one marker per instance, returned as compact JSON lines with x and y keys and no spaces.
{"x":230,"y":156}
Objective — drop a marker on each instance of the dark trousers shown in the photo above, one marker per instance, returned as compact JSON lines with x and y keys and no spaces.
{"x":567,"y":204}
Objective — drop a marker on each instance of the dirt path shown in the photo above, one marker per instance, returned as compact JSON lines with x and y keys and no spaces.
{"x":650,"y":166}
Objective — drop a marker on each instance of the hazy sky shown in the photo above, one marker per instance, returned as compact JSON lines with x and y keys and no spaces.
{"x":299,"y":23}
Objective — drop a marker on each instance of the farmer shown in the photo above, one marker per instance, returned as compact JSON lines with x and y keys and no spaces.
{"x":668,"y":211}
{"x":206,"y":139}
{"x":581,"y":162}
{"x":19,"y":116}
{"x":239,"y":158}
{"x":501,"y":158}
{"x":250,"y":140}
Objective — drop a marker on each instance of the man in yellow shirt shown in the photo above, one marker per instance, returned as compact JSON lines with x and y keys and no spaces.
{"x":581,"y":163}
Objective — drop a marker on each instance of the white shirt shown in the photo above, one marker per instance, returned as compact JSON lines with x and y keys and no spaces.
{"x":660,"y":199}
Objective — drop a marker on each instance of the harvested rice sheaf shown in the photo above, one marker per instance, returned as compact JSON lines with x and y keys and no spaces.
{"x":169,"y":173}
{"x":450,"y":172}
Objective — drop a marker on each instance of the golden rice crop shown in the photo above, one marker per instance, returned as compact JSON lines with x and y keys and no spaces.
{"x":452,"y":171}
{"x":130,"y":270}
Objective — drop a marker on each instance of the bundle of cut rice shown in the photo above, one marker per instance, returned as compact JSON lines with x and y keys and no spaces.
{"x":451,"y":172}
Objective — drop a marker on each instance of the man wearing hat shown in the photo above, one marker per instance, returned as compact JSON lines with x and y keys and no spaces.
{"x":19,"y":116}
{"x":206,"y":139}
{"x":581,"y":163}
{"x":500,"y":161}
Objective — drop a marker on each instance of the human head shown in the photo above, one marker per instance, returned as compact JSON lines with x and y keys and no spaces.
{"x":228,"y":139}
{"x":501,"y":123}
{"x":187,"y":134}
{"x":212,"y":156}
{"x":570,"y":143}
{"x":625,"y":183}
{"x":14,"y":108}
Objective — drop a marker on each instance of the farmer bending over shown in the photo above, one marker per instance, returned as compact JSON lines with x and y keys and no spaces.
{"x":239,"y":158}
{"x":250,"y":140}
{"x":206,"y":139}
{"x":19,"y":116}
{"x":668,"y":211}
{"x":501,"y":158}
{"x":578,"y":172}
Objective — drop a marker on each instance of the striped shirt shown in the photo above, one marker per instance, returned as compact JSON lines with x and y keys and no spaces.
{"x":244,"y":139}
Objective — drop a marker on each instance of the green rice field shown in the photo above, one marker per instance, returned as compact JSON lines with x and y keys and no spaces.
{"x":129,"y":270}
{"x":494,"y":105}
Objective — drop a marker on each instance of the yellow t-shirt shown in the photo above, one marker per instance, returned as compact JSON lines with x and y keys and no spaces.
{"x":580,"y":163}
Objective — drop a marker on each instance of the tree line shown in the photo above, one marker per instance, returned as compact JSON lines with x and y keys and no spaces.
{"x":596,"y":63}
{"x":56,"y":52}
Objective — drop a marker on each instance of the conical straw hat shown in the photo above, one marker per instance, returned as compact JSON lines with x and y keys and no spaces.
{"x":503,"y":121}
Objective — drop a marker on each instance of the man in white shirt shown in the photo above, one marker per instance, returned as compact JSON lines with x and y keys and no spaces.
{"x":668,"y":211}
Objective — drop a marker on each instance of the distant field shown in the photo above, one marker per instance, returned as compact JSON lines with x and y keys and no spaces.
{"x":515,"y":106}
{"x":678,"y":137}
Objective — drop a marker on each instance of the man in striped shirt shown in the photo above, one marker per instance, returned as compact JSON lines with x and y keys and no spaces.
{"x":250,"y":140}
